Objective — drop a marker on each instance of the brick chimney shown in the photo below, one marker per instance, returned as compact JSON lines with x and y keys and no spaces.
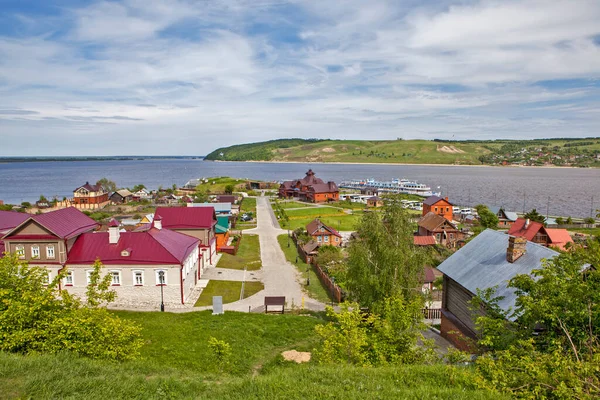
{"x":516,"y":248}
{"x":526,"y":223}
{"x":157,"y":222}
{"x":113,"y":231}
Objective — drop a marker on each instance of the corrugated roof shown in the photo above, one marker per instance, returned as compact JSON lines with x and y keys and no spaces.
{"x":482,"y":264}
{"x":519,"y":229}
{"x":324,"y":187}
{"x":11,"y":219}
{"x":431,"y":200}
{"x":66,"y":223}
{"x":559,"y":237}
{"x":187,"y":217}
{"x":424,"y":240}
{"x":91,"y":188}
{"x":316,"y":224}
{"x":511,"y":216}
{"x":124,"y":192}
{"x":219,"y":207}
{"x":155,"y":246}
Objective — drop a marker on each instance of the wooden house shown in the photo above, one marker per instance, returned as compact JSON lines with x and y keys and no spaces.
{"x":536,"y":232}
{"x":444,"y":231}
{"x":490,"y":260}
{"x":323,"y":235}
{"x":439,"y":206}
{"x":310,"y":188}
{"x":374,"y":202}
{"x":89,"y":196}
{"x":121,"y":196}
{"x":505,"y":218}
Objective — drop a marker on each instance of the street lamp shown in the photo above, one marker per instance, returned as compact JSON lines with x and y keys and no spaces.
{"x":161,"y":280}
{"x":307,"y":276}
{"x":288,"y":237}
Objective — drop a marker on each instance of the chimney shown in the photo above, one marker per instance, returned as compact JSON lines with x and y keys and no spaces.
{"x":446,"y":198}
{"x":516,"y":248}
{"x":113,"y":231}
{"x":526,"y":223}
{"x":157,"y":222}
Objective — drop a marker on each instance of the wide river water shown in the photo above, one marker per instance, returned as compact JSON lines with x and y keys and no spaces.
{"x":561,"y":191}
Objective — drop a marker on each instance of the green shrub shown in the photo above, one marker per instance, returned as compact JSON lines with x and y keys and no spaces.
{"x":37,"y":317}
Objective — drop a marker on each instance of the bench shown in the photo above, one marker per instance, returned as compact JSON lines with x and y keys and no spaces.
{"x":278,"y":301}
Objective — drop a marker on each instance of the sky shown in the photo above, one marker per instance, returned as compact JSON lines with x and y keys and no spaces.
{"x":178,"y":77}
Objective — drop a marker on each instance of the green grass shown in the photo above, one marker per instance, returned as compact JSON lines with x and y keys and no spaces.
{"x":248,"y":205}
{"x":587,"y":231}
{"x":230,"y":290}
{"x":294,"y":204}
{"x":248,"y":255}
{"x":341,"y":222}
{"x":217,"y":184}
{"x":316,"y":290}
{"x":68,"y":377}
{"x":176,"y":362}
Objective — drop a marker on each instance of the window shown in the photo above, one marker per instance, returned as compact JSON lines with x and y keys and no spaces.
{"x":69,"y":279}
{"x":35,"y":251}
{"x":161,"y":277}
{"x":437,"y":236}
{"x":319,"y":239}
{"x":46,"y":278}
{"x":50,"y":251}
{"x":447,"y":209}
{"x":326,"y":239}
{"x":337,"y":239}
{"x":20,"y":249}
{"x":435,"y":209}
{"x":452,"y":236}
{"x":116,"y":278}
{"x":138,"y":278}
{"x":88,"y":276}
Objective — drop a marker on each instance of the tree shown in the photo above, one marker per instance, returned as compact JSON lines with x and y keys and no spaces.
{"x":533,"y":215}
{"x":37,"y":317}
{"x":589,"y":221}
{"x":137,"y":188}
{"x":384,"y":262}
{"x":43,"y":199}
{"x":487,"y":219}
{"x":229,"y":189}
{"x":107,"y":185}
{"x":560,"y":221}
{"x":561,"y":303}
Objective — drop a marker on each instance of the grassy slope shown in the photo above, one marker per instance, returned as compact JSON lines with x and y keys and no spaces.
{"x":217,"y":184}
{"x":248,"y":255}
{"x":230,"y":290}
{"x":177,"y":363}
{"x":362,"y":151}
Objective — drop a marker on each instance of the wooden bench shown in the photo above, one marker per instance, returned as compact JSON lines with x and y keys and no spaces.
{"x":278,"y":301}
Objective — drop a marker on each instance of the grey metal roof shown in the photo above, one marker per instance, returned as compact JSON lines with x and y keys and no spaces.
{"x":509,"y":214}
{"x":482,"y":264}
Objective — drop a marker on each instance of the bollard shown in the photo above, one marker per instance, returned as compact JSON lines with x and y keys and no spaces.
{"x":248,"y":308}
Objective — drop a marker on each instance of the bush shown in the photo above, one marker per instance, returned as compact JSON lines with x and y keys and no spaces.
{"x":37,"y":317}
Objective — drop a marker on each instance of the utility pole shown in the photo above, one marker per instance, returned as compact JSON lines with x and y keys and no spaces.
{"x":524,"y":202}
{"x":547,"y":207}
{"x":592,"y":208}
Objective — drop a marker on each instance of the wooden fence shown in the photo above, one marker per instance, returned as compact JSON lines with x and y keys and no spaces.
{"x":334,"y":290}
{"x":233,"y":249}
{"x":432,"y":313}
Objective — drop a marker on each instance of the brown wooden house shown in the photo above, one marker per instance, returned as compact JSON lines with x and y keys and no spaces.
{"x":89,"y":196}
{"x":323,"y":235}
{"x":444,"y":232}
{"x":310,"y":188}
{"x":374,"y":202}
{"x":439,"y":206}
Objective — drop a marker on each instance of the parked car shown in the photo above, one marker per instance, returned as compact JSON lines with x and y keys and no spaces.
{"x":246,"y":217}
{"x":466,"y":211}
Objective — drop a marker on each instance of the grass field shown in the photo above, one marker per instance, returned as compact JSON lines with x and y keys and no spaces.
{"x":230,"y":290}
{"x":217,"y":184}
{"x":587,"y":231}
{"x":333,"y":217}
{"x":315,"y":290}
{"x":294,"y":204}
{"x":248,"y":205}
{"x":177,"y":363}
{"x":248,"y":255}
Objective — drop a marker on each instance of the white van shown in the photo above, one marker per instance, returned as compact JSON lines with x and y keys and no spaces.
{"x":466,"y":211}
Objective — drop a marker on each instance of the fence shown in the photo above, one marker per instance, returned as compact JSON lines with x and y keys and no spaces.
{"x":334,"y":290}
{"x":432,"y":313}
{"x":233,"y":249}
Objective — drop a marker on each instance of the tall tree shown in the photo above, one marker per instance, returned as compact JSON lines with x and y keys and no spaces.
{"x":107,"y":185}
{"x":487,"y":219}
{"x":384,"y":262}
{"x":533,"y":215}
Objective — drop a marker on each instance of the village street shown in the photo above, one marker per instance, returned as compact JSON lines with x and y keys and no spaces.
{"x":279,"y":276}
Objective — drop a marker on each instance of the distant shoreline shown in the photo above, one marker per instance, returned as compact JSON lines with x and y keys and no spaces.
{"x":400,"y":164}
{"x":11,"y":160}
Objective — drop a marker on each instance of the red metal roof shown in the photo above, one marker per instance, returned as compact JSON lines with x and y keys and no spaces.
{"x":91,"y":188}
{"x":11,"y":219}
{"x":65,"y":223}
{"x":424,"y":240}
{"x":155,"y":246}
{"x":518,"y":229}
{"x":187,"y":217}
{"x":316,"y":224}
{"x":559,"y":237}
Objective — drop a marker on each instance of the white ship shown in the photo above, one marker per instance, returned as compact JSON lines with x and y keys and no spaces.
{"x":394,"y":186}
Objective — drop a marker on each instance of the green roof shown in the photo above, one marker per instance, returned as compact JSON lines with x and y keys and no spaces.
{"x":222,"y":224}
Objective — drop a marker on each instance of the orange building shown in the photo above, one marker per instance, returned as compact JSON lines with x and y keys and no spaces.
{"x":439,"y":206}
{"x":310,"y":188}
{"x":323,"y":235}
{"x":89,"y":195}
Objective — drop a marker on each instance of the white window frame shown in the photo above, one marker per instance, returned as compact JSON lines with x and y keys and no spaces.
{"x":50,"y":252}
{"x":158,"y":283}
{"x":319,"y":239}
{"x":112,"y":274}
{"x":20,"y":250}
{"x":337,"y":239}
{"x":35,"y":252}
{"x":326,"y":238}
{"x":134,"y":273}
{"x":69,"y":279}
{"x":48,"y":279}
{"x":88,"y":274}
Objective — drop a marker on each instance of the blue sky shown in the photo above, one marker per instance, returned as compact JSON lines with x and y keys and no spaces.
{"x":180,"y":77}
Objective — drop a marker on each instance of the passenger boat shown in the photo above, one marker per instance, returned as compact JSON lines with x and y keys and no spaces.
{"x":394,"y":186}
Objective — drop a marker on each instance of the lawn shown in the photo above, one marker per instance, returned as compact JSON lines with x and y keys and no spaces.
{"x":248,"y":255}
{"x":341,"y":222}
{"x":587,"y":231}
{"x":248,"y":205}
{"x":217,"y":184}
{"x":316,"y":290}
{"x":230,"y":290}
{"x":294,"y":204}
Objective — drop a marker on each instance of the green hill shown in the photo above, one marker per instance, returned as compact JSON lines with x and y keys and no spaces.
{"x":527,"y":152}
{"x":177,"y":363}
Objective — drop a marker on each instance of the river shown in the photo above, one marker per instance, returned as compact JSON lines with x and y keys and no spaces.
{"x":560,"y":191}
